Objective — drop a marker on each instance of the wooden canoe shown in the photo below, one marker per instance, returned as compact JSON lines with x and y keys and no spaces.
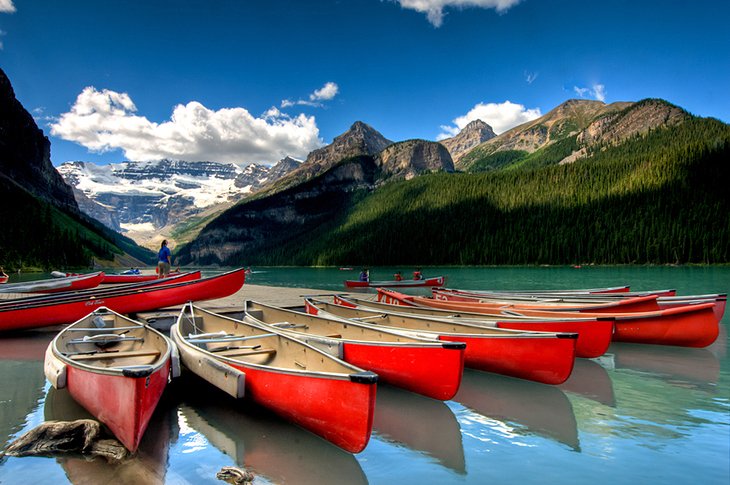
{"x":426,"y":366}
{"x":541,"y":357}
{"x":24,"y":313}
{"x":55,"y":285}
{"x":594,"y":333}
{"x":114,"y":367}
{"x":435,"y":281}
{"x":686,"y":326}
{"x":311,"y":388}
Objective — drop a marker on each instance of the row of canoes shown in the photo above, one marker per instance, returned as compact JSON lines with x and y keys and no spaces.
{"x":63,"y":282}
{"x":318,"y":369}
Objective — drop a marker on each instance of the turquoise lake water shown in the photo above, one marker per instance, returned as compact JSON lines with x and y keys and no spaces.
{"x":639,"y":414}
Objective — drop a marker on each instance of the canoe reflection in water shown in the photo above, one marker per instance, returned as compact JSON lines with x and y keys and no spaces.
{"x":536,"y":408}
{"x":147,"y":466}
{"x":262,"y":442}
{"x":590,"y":380}
{"x":697,"y":368}
{"x":420,"y":423}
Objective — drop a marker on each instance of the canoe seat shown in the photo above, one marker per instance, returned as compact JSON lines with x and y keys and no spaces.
{"x":246,"y":352}
{"x":116,"y":355}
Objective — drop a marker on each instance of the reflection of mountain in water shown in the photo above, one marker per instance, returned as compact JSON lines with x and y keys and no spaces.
{"x":147,"y":466}
{"x":420,"y":423}
{"x":589,"y":379}
{"x":21,"y":381}
{"x":538,"y":408}
{"x":263,"y":442}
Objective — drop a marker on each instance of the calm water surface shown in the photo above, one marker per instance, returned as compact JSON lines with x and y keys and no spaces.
{"x":639,"y":414}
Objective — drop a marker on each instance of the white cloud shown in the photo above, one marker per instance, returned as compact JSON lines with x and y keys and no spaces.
{"x":325,"y":93}
{"x":500,"y":116}
{"x":107,"y":120}
{"x":597,"y":91}
{"x":6,"y":6}
{"x":434,"y":9}
{"x":530,"y":77}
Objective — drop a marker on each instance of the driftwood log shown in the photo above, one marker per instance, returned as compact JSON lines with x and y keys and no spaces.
{"x":58,"y":437}
{"x":236,"y":476}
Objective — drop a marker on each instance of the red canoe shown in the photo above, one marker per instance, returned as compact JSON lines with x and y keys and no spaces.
{"x":307,"y":386}
{"x":594,"y":333}
{"x":116,"y":279}
{"x":435,"y":281}
{"x":541,"y":357}
{"x":26,"y":313}
{"x":3,"y":277}
{"x":503,"y":302}
{"x":114,"y":367}
{"x":426,"y":366}
{"x":686,"y":326}
{"x":55,"y":285}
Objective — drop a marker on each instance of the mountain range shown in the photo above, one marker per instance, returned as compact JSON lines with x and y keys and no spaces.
{"x":589,"y":182}
{"x":147,"y":200}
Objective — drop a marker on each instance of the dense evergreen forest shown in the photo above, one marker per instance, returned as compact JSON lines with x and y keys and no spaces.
{"x":37,"y":234}
{"x":656,"y":198}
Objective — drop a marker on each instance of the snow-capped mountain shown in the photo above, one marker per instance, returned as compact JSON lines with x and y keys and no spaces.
{"x":147,"y":200}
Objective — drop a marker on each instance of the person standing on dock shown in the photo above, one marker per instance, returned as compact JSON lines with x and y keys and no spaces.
{"x":164,"y":260}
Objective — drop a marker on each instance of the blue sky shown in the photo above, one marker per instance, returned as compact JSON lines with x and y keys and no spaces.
{"x":251,"y":81}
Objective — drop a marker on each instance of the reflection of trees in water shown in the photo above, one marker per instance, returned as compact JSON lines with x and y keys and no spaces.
{"x":21,"y":389}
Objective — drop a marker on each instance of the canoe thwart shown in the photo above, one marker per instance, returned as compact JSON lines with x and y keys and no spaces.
{"x":116,"y":355}
{"x":228,"y":339}
{"x":247,"y":352}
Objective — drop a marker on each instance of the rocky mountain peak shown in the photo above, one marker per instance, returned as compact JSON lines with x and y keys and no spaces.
{"x":25,"y":152}
{"x":473,"y":134}
{"x":413,"y":157}
{"x":360,"y":139}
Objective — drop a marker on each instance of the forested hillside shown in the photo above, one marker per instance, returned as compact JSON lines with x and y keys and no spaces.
{"x":656,"y":197}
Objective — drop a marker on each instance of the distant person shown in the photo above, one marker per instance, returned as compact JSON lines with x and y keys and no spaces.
{"x":365,"y":275}
{"x":397,"y":276}
{"x":164,"y":260}
{"x":417,"y":274}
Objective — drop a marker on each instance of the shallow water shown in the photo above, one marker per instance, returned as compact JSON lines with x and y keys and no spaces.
{"x":639,"y":414}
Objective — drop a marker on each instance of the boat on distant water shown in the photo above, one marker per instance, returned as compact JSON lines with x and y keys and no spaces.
{"x":297,"y":381}
{"x":115,"y":367}
{"x":46,"y":310}
{"x":55,"y":285}
{"x":434,"y":281}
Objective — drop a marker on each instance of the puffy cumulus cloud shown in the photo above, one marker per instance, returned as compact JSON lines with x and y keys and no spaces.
{"x":500,"y":116}
{"x":107,"y":120}
{"x":325,"y":93}
{"x":6,"y":6}
{"x":434,"y":9}
{"x":597,"y":91}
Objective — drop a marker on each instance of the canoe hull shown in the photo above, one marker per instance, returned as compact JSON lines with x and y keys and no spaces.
{"x":546,"y":360}
{"x":340,"y":411}
{"x":433,"y":372}
{"x":124,"y":404}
